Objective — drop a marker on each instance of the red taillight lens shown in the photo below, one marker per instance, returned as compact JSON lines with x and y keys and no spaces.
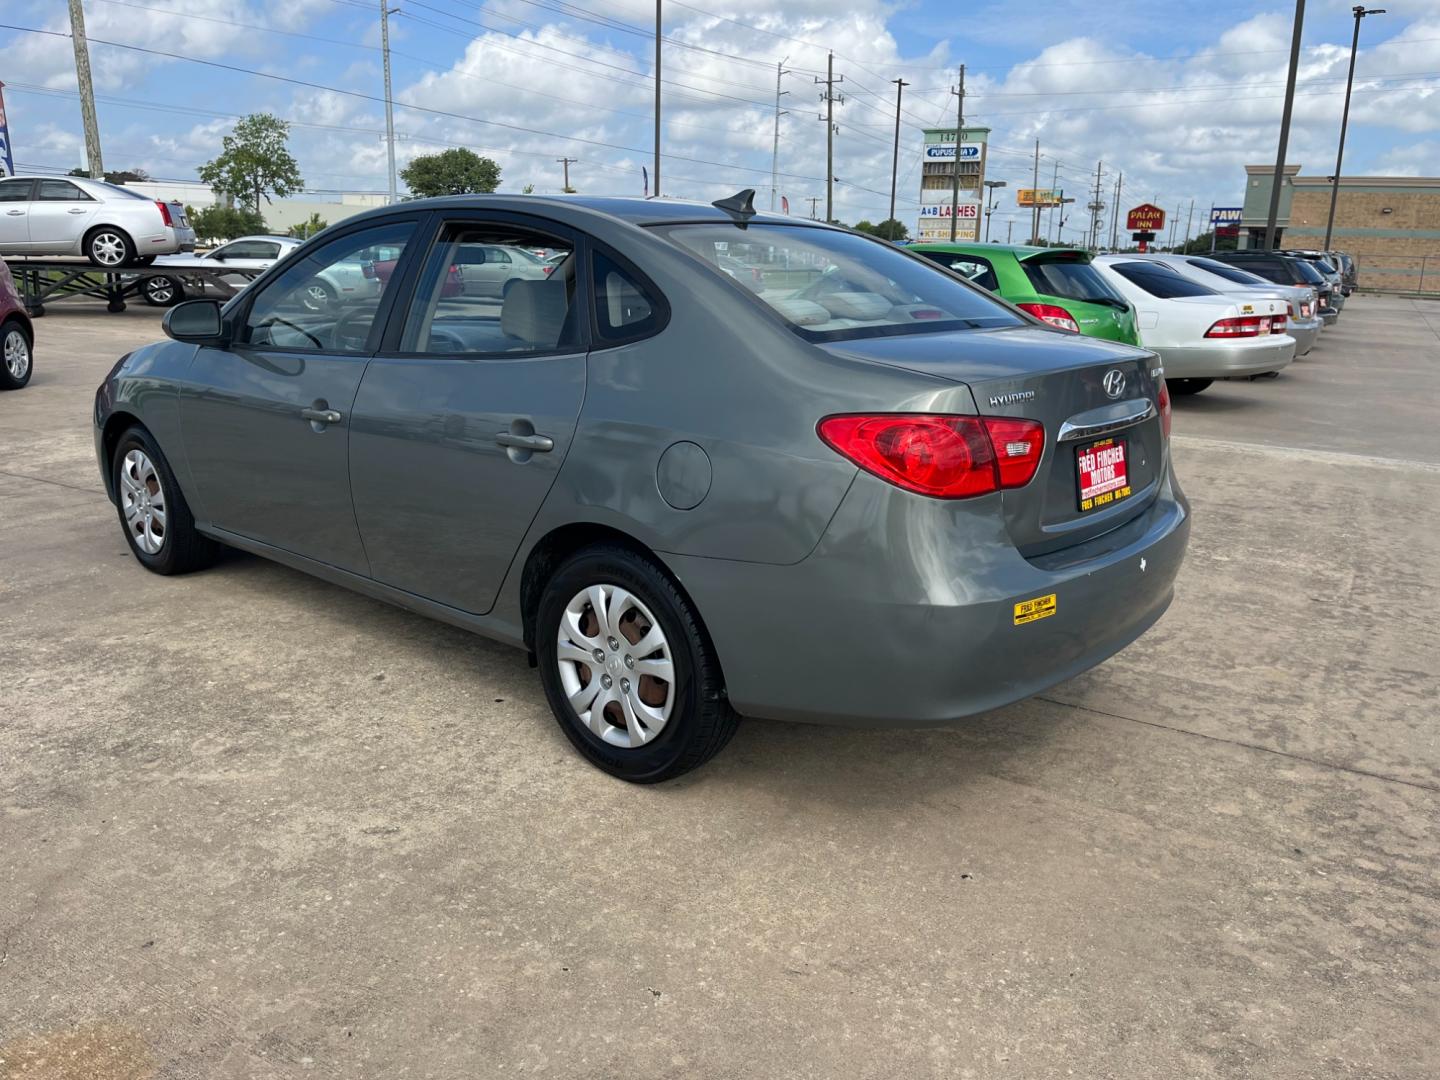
{"x":1164,"y":409}
{"x":944,"y":457}
{"x":1290,"y":309}
{"x":164,"y":212}
{"x":548,"y":270}
{"x":1245,"y":326}
{"x":1277,"y":324}
{"x":1052,"y":314}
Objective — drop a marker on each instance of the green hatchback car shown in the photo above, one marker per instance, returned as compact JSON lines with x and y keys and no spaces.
{"x":1056,"y":285}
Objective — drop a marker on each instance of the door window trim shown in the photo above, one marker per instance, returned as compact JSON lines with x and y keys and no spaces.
{"x":17,"y":181}
{"x":81,"y":196}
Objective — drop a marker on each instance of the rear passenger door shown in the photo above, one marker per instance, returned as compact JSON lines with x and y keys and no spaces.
{"x":60,"y":215}
{"x":464,"y":417}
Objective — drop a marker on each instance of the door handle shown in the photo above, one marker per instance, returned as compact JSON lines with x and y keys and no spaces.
{"x":540,"y":443}
{"x":76,"y":210}
{"x":14,"y":213}
{"x":321,"y":416}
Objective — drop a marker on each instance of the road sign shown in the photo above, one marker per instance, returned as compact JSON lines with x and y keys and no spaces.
{"x":1143,"y":239}
{"x":946,"y":152}
{"x":1037,"y":197}
{"x":1147,"y":217}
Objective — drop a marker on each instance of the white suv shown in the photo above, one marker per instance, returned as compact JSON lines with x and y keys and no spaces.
{"x":71,"y":215}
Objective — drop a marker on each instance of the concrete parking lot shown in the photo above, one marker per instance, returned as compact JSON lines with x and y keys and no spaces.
{"x":253,"y":825}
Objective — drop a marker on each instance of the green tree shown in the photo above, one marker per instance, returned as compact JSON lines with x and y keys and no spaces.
{"x":254,"y":162}
{"x":123,"y":176}
{"x":889,"y":229}
{"x":1200,"y":245}
{"x":451,"y":172}
{"x":224,"y":222}
{"x":307,"y":229}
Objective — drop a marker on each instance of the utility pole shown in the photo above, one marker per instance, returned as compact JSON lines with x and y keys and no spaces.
{"x":775,"y":151}
{"x":1279,"y":177}
{"x":1034,"y":192}
{"x":830,"y":97}
{"x":959,"y":141}
{"x":1360,"y":12}
{"x":657,"y":97}
{"x":1096,"y":206}
{"x":900,"y":85}
{"x":1174,"y":220}
{"x":814,"y":205}
{"x":1115,"y":217}
{"x":1189,"y":220}
{"x":1212,"y":227}
{"x":1050,"y":224}
{"x":566,"y":162}
{"x":385,"y":11}
{"x":1009,"y":230}
{"x":87,"y":91}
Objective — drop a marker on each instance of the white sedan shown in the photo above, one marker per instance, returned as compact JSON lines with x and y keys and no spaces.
{"x":1201,"y":335}
{"x":356,"y":279}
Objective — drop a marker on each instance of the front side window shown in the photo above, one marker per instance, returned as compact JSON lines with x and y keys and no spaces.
{"x":61,"y":191}
{"x":1160,"y":280}
{"x":15,"y":190}
{"x":1070,"y":278}
{"x":831,"y":285}
{"x":973,"y":267}
{"x":327,"y":301}
{"x":470,"y":303}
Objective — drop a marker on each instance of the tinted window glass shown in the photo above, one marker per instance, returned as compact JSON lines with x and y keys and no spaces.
{"x":831,"y":285}
{"x":1071,"y":279}
{"x":1229,"y":273}
{"x":1269,"y":269}
{"x":60,"y":191}
{"x":116,"y":189}
{"x":973,"y":267}
{"x":624,"y":308}
{"x":14,"y":190}
{"x":1307,"y":272}
{"x":327,"y":301}
{"x":469,"y":302}
{"x":1159,"y":281}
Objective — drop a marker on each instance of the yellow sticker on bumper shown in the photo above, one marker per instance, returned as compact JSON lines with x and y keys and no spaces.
{"x":1028,"y":611}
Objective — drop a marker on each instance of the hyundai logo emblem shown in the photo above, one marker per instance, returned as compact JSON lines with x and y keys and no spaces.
{"x":1114,"y":382}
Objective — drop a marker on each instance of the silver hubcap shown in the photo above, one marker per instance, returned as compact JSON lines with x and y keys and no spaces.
{"x":159,"y":289}
{"x":17,"y":354}
{"x":109,"y":249}
{"x":615,"y":666}
{"x":143,"y":500}
{"x":316,"y":297}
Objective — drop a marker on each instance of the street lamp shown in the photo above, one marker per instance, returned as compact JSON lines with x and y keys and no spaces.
{"x":991,"y":203}
{"x":1360,"y":12}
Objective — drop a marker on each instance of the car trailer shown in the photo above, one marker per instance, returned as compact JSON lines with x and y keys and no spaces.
{"x":43,"y":281}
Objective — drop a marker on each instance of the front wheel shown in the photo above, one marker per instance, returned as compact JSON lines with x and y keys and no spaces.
{"x":109,"y":248}
{"x":161,"y":291}
{"x":1187,"y":386}
{"x":157,"y":521}
{"x":628,"y":669}
{"x":15,"y":355}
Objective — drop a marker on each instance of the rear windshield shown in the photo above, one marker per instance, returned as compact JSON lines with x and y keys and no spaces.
{"x":1070,"y":279}
{"x":116,"y":189}
{"x":1229,"y":273}
{"x":1160,"y":280}
{"x":831,"y":285}
{"x":1308,"y":272}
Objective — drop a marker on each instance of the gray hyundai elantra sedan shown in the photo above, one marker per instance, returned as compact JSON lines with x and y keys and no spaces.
{"x":837,"y":484}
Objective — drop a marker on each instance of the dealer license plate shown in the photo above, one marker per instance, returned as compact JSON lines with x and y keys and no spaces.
{"x":1103,"y":473}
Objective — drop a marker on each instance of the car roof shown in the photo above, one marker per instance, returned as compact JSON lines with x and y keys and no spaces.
{"x":1020,"y":251}
{"x":636,"y":211}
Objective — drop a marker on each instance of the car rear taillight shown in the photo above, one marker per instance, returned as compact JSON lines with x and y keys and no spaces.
{"x":549,"y":270}
{"x":1052,"y":314}
{"x":1245,"y":326}
{"x":1164,"y":409}
{"x":944,"y":457}
{"x":164,"y":213}
{"x":1277,"y":324}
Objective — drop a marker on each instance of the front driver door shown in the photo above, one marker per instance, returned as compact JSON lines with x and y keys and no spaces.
{"x":463,"y":419}
{"x":267,"y":421}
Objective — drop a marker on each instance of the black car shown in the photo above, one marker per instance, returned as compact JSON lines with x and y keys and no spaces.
{"x":1349,"y":275}
{"x":1285,"y":268}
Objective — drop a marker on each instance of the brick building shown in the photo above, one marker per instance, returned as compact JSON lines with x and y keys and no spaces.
{"x":1390,"y":224}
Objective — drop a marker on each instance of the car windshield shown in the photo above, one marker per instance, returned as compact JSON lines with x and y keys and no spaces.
{"x":1161,"y":281}
{"x":1072,"y":279}
{"x":116,"y":189}
{"x":831,"y":285}
{"x":1229,"y":273}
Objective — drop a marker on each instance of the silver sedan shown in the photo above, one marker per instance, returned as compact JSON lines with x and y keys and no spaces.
{"x":110,"y":225}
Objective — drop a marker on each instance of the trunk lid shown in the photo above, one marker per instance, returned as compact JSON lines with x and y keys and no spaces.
{"x":1066,"y":279}
{"x":1060,"y":380}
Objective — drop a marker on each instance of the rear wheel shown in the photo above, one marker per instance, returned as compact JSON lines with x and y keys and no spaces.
{"x":109,"y":247}
{"x":15,"y":355}
{"x":1187,"y":386}
{"x":628,"y":669}
{"x":157,"y":521}
{"x":161,"y":291}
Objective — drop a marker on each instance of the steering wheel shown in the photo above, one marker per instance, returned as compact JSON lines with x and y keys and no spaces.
{"x":442,"y":341}
{"x":275,"y":320}
{"x":344,"y":336}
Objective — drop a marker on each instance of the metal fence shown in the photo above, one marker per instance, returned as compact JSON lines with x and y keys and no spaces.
{"x":1400,"y":273}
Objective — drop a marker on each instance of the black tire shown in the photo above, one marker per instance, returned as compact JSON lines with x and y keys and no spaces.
{"x":109,"y":248}
{"x":142,"y":260}
{"x":181,"y":548}
{"x":1187,"y":386}
{"x":161,"y":291}
{"x":701,"y":720}
{"x":16,"y":346}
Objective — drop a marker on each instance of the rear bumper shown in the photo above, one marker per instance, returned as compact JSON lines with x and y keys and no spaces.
{"x":904,"y":615}
{"x":1305,"y":332}
{"x":166,"y":241}
{"x":1329,"y":315}
{"x":1228,"y":359}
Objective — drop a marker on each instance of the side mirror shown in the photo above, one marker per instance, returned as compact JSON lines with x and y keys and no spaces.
{"x":197,"y":322}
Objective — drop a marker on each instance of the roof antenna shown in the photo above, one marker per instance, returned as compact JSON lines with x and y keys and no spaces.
{"x":741,"y":204}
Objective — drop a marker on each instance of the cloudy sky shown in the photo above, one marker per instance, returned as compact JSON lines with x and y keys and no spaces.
{"x":1178,"y":98}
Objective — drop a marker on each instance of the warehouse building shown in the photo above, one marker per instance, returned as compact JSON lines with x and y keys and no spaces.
{"x":1390,"y":224}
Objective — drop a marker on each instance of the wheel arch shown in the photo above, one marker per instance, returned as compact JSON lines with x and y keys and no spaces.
{"x":116,"y":424}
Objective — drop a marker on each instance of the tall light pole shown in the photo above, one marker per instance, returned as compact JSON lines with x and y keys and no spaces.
{"x":959,"y":142}
{"x":1279,"y":177}
{"x":775,"y":150}
{"x":1360,"y":12}
{"x":900,"y":85}
{"x":657,"y":98}
{"x":385,"y":12}
{"x":990,"y":203}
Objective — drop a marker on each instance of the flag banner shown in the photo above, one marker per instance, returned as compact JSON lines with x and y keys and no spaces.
{"x":7,"y":160}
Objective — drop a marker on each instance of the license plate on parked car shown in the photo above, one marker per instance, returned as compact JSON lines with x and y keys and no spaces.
{"x":1102,"y":471}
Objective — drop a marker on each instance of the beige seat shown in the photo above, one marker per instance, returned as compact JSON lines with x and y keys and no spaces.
{"x":533,"y":313}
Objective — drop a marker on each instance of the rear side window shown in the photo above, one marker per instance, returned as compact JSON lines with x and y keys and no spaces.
{"x":1308,"y":272}
{"x":625,"y":308}
{"x":1158,"y":281}
{"x":1071,"y":279}
{"x":1229,"y":273}
{"x":973,"y":267}
{"x":61,"y":191}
